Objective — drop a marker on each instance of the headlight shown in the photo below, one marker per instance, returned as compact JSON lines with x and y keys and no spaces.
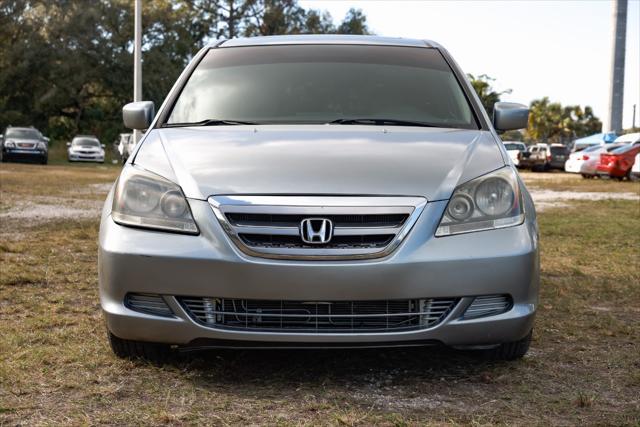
{"x":10,"y":144}
{"x":144,"y":199}
{"x":485,"y":203}
{"x":42,"y":146}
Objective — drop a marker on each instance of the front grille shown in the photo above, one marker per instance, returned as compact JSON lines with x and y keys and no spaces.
{"x":362,"y":227}
{"x":268,"y":220}
{"x":318,"y":316}
{"x":279,"y":241}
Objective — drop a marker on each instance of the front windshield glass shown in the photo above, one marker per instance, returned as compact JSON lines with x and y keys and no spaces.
{"x":519,"y":147}
{"x":23,"y":133}
{"x":301,"y":84}
{"x":86,"y":142}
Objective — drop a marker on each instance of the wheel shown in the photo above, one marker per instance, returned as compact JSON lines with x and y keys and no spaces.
{"x":158,"y":354}
{"x":510,"y":350}
{"x":585,"y":176}
{"x":44,"y":161}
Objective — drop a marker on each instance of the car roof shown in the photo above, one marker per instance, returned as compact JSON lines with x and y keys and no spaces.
{"x":85,"y":137}
{"x":629,"y":137}
{"x":324,"y":39}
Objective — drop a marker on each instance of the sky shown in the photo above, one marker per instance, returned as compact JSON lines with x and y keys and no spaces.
{"x":559,"y":49}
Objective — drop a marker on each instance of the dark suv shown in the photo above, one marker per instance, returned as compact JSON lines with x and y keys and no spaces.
{"x":24,"y":144}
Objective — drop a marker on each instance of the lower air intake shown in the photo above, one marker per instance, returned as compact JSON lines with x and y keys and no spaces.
{"x":147,"y":303}
{"x":318,"y":316}
{"x":488,"y":305}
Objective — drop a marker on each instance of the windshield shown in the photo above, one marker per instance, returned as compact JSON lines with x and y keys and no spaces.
{"x":323,"y":83}
{"x":519,"y":147}
{"x":86,"y":142}
{"x":558,"y":150}
{"x":23,"y":133}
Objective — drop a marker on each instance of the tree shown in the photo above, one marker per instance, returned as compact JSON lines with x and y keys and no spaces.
{"x":66,"y":66}
{"x":551,"y":122}
{"x":355,"y":22}
{"x":483,"y":85}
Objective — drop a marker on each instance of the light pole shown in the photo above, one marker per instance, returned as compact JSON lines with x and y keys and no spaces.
{"x":137,"y":59}
{"x":613,"y":119}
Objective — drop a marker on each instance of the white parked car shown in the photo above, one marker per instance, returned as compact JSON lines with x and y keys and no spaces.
{"x":85,"y":148}
{"x":635,"y":169}
{"x":584,"y":162}
{"x":578,"y":158}
{"x":125,"y":146}
{"x":514,"y":148}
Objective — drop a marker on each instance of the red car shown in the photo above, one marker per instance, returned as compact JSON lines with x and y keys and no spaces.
{"x":618,"y":163}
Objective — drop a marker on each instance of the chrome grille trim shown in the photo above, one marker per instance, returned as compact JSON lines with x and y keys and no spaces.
{"x":318,"y":316}
{"x":409,"y":208}
{"x":488,"y":305}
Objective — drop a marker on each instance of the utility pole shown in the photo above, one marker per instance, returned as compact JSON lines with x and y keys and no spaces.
{"x":633,"y":118}
{"x":137,"y":59}
{"x":613,"y":119}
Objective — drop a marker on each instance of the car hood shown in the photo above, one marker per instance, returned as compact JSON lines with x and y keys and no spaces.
{"x":319,"y":159}
{"x":85,"y":148}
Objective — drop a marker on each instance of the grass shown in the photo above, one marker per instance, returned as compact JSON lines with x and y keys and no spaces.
{"x":56,"y":367}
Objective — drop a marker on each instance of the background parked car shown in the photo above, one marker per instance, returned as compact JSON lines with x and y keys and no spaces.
{"x":617,"y":164}
{"x":584,"y":162}
{"x":635,"y":169}
{"x":24,"y":143}
{"x":514,"y":149}
{"x":125,"y":146}
{"x":559,"y":155}
{"x":535,"y":158}
{"x":85,"y":148}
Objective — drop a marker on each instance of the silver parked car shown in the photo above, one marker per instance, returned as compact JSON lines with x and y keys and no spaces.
{"x":319,"y":191}
{"x":85,"y":148}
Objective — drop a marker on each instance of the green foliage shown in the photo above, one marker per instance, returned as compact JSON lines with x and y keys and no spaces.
{"x":483,"y":85}
{"x":548,"y":121}
{"x":551,"y":122}
{"x":66,"y":66}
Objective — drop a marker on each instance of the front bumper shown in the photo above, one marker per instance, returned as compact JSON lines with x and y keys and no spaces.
{"x":86,"y":157}
{"x":573,"y":166}
{"x":13,"y":154}
{"x":493,"y":262}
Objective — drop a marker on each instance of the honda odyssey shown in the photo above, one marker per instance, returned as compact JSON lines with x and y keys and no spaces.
{"x":319,"y":192}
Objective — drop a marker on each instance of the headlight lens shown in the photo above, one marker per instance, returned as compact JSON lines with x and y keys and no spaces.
{"x":10,"y":144}
{"x":485,"y":203}
{"x":144,"y":199}
{"x":42,"y":146}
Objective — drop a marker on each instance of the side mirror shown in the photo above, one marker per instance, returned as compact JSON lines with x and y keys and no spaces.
{"x":47,"y":140}
{"x":138,"y":115}
{"x":510,"y":116}
{"x":68,"y":144}
{"x":103,"y":146}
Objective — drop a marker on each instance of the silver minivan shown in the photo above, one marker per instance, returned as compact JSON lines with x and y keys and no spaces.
{"x":319,"y":192}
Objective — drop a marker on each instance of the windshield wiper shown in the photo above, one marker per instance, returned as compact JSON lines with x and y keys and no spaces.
{"x":209,"y":122}
{"x":380,"y":122}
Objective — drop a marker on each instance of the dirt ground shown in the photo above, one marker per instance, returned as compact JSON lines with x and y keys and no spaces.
{"x":56,"y":367}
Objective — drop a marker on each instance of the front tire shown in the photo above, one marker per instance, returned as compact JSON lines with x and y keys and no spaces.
{"x":155,"y":353}
{"x":511,"y":350}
